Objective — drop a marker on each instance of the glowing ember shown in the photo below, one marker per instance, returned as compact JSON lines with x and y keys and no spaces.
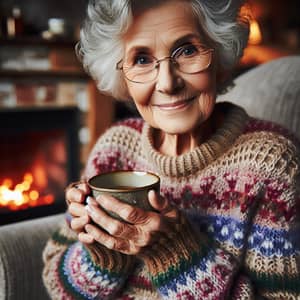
{"x":255,"y":36}
{"x":22,"y":195}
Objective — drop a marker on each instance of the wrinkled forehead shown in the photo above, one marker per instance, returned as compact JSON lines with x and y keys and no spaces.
{"x":163,"y":21}
{"x":139,"y":7}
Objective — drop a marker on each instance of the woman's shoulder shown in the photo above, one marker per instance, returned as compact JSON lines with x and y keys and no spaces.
{"x":254,"y":125}
{"x":269,"y":148}
{"x":118,"y":145}
{"x":259,"y":125}
{"x":133,"y":123}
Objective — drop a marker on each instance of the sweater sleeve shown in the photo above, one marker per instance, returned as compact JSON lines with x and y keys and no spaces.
{"x":73,"y":270}
{"x":189,"y":265}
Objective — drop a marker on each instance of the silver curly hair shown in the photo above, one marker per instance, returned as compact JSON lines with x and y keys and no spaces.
{"x":101,"y":45}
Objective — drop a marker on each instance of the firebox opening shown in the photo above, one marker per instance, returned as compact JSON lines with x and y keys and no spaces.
{"x":33,"y":169}
{"x":39,"y":156}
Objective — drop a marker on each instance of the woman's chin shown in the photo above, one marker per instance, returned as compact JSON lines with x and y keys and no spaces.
{"x":177,"y":126}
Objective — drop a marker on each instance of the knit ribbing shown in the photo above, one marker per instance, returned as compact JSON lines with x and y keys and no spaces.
{"x":184,"y":165}
{"x":108,"y":260}
{"x":161,"y":257}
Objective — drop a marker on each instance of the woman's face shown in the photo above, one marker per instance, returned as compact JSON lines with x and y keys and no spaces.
{"x":176,"y":102}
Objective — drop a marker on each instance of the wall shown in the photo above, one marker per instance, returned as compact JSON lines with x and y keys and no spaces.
{"x":37,"y":12}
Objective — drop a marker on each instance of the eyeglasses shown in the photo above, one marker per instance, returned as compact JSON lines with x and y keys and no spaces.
{"x":188,"y":59}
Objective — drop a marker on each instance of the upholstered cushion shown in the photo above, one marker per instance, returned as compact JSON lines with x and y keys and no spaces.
{"x":21,"y":246}
{"x":271,"y":91}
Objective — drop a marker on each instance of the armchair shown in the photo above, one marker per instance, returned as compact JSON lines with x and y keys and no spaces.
{"x":21,"y":246}
{"x":270,"y":91}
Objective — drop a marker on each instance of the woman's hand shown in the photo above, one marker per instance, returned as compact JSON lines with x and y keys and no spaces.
{"x":138,"y":230}
{"x":76,"y":194}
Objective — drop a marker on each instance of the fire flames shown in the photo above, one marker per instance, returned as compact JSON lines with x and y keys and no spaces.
{"x":22,"y":195}
{"x":255,"y":36}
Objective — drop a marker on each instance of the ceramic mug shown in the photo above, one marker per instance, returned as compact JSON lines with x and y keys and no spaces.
{"x":131,"y":187}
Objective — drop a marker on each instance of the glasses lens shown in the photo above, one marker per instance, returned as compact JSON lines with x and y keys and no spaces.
{"x":140,"y":74}
{"x":140,"y":67}
{"x":193,"y":58}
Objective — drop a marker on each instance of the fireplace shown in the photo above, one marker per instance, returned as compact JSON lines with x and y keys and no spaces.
{"x":39,"y":156}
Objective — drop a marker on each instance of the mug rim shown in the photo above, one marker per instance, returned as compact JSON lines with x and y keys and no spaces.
{"x":124,"y":190}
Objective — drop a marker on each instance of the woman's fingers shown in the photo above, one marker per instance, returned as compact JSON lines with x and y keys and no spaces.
{"x":127,"y":212}
{"x":113,"y":226}
{"x":77,"y":209}
{"x":137,"y":228}
{"x":109,"y":241}
{"x":85,"y":238}
{"x":77,"y":192}
{"x":162,"y":205}
{"x":157,"y":202}
{"x":79,"y":215}
{"x":140,"y":236}
{"x":77,"y":224}
{"x":100,"y":236}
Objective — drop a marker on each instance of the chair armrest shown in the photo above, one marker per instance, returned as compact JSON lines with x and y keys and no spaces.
{"x":21,"y":246}
{"x":271,"y":92}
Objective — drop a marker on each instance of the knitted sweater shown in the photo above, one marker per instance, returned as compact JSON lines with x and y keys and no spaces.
{"x":238,"y":194}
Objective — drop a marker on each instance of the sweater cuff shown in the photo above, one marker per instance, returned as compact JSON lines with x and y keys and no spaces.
{"x":175,"y":253}
{"x":108,"y":260}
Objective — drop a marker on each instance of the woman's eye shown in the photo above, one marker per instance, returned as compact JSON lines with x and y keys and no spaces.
{"x":189,"y":50}
{"x":142,"y":60}
{"x":186,"y":51}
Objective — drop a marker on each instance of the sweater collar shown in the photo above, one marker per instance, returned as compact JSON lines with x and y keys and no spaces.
{"x":191,"y":162}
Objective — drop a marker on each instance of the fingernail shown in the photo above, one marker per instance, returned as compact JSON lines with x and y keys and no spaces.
{"x":88,"y":200}
{"x":151,"y":192}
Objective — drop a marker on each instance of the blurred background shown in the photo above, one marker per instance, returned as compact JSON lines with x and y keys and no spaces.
{"x":50,"y":110}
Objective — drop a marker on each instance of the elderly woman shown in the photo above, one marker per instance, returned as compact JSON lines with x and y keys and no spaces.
{"x":224,"y":225}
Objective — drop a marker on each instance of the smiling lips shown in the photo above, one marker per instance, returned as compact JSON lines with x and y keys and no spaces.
{"x":175,"y":105}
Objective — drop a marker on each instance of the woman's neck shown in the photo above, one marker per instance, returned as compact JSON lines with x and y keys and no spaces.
{"x":177,"y":144}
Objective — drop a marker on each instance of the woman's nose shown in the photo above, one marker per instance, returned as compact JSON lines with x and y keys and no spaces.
{"x":168,"y":81}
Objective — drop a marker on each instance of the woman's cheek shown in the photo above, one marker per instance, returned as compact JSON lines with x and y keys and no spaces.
{"x":141,"y":95}
{"x":205,"y":81}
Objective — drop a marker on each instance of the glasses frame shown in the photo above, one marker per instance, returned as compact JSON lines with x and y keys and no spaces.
{"x":172,"y":59}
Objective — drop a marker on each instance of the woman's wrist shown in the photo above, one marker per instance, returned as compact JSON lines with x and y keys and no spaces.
{"x":182,"y":246}
{"x":109,"y":260}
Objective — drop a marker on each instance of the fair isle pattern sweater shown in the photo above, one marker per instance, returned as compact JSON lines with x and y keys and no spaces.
{"x":238,"y":194}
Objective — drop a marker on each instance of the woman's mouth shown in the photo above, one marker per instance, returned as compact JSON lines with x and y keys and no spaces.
{"x":175,"y":105}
